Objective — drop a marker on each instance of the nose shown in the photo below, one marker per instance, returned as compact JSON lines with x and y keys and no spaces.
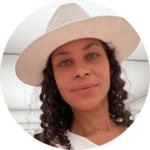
{"x":81,"y":71}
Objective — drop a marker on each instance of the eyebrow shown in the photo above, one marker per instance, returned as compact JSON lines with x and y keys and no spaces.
{"x":84,"y":48}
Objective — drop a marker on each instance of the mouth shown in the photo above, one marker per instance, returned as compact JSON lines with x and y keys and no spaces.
{"x":85,"y":86}
{"x":84,"y":89}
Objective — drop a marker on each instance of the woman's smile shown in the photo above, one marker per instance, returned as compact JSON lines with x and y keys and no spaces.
{"x":84,"y":89}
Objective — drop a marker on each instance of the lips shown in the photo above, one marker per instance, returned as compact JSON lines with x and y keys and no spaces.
{"x":83,"y":87}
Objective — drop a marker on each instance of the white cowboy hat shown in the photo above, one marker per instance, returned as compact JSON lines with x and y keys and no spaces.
{"x":71,"y":22}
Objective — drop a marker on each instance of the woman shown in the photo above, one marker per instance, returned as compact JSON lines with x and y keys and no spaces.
{"x":82,"y":92}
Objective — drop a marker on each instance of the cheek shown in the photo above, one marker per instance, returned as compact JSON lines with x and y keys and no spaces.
{"x":62,"y":81}
{"x":106,"y":71}
{"x":103,"y":71}
{"x":103,"y":74}
{"x":62,"y":84}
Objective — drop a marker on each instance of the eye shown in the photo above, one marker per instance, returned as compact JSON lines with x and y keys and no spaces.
{"x":64,"y":63}
{"x":92,"y":56}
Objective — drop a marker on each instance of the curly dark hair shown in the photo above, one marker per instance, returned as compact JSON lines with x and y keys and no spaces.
{"x":57,"y":115}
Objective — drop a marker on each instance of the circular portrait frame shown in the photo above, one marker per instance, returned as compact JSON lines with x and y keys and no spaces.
{"x":14,"y":130}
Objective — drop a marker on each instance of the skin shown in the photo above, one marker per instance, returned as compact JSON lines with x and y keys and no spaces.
{"x":77,"y":63}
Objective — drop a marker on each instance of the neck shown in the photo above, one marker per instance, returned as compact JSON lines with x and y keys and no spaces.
{"x":86,"y":122}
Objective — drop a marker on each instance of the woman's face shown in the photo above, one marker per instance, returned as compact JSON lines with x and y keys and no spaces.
{"x":81,"y":71}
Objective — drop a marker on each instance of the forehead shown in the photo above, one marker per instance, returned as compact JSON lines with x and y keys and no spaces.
{"x":76,"y":44}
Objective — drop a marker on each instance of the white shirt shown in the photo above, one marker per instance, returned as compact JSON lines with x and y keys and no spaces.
{"x":78,"y":142}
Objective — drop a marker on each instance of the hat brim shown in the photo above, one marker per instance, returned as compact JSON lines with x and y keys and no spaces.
{"x":112,"y":29}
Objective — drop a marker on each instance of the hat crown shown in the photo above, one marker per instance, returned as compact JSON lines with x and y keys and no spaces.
{"x":66,"y":14}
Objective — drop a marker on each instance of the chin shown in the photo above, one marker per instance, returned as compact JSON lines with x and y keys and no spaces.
{"x":87,"y":106}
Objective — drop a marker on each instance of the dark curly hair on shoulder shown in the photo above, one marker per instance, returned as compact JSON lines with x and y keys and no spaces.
{"x":57,"y":115}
